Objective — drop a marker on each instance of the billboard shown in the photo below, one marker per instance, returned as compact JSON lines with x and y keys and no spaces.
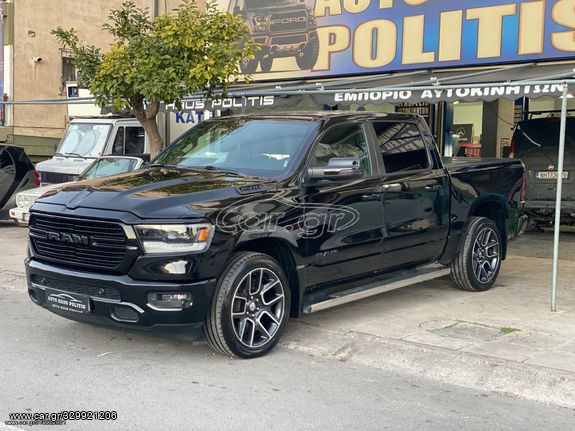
{"x":328,"y":38}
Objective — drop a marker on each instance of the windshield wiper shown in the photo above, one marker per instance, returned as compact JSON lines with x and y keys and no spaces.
{"x":233,"y":173}
{"x":163,"y":165}
{"x":225,"y":171}
{"x":70,"y":154}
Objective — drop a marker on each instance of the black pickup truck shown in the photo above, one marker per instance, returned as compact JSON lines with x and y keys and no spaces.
{"x":246,"y":220}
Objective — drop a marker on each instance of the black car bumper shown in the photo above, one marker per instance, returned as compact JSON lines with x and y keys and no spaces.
{"x":118,"y":301}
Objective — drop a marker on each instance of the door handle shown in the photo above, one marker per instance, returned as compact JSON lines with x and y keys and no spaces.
{"x":434,"y":188}
{"x":394,"y":187}
{"x":371,"y":197}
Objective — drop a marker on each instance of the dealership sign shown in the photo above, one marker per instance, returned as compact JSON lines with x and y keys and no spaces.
{"x":351,"y":37}
{"x":443,"y":94}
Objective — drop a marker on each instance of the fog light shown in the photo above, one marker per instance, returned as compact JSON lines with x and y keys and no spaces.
{"x":169,"y":301}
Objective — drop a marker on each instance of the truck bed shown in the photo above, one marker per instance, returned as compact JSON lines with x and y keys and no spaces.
{"x":465,"y":164}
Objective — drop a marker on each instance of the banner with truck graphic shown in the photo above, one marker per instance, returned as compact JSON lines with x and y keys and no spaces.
{"x":329,"y":38}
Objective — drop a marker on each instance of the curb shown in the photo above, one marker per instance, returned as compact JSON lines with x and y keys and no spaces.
{"x":474,"y":371}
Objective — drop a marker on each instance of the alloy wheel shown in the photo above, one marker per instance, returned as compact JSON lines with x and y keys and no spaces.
{"x":486,"y":255}
{"x":258,"y":307}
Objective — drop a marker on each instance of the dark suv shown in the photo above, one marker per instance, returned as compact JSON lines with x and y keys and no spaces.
{"x":536,"y":143}
{"x":282,"y":28}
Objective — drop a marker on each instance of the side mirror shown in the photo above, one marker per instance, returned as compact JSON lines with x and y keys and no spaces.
{"x":338,"y":169}
{"x":237,"y":10}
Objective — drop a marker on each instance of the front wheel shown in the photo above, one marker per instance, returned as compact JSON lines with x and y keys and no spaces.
{"x":307,"y":58}
{"x":478,"y":262}
{"x":250,"y":307}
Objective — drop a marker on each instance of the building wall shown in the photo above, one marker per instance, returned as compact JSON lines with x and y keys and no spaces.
{"x":40,"y":127}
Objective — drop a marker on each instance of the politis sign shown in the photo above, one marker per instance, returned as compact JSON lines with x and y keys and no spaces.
{"x":350,"y":37}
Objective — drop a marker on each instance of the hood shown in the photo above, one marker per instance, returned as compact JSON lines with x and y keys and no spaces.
{"x":160,"y":193}
{"x":64,"y":165}
{"x":39,"y":191}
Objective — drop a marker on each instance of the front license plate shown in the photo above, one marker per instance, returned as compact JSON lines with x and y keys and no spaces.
{"x":67,"y":302}
{"x":550,"y":175}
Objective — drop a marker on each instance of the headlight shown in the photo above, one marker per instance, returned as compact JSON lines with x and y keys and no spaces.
{"x":175,"y":238}
{"x":24,"y":201}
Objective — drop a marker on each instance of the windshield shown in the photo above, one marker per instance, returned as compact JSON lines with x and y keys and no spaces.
{"x":543,"y":136}
{"x":248,"y":146}
{"x":83,"y":139}
{"x":107,"y":167}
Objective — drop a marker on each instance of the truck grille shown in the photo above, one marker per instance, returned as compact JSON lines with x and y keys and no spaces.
{"x":78,"y":242}
{"x":55,"y":178}
{"x":289,"y":21}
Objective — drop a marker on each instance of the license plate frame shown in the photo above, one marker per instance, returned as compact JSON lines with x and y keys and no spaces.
{"x":67,"y":302}
{"x":550,"y":175}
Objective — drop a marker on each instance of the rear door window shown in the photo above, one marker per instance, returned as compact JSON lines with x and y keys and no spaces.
{"x":402,"y":147}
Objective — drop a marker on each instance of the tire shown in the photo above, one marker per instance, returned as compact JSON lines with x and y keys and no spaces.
{"x":309,"y":55}
{"x":266,"y":64}
{"x":248,"y":66}
{"x":477,"y":264}
{"x":241,"y":322}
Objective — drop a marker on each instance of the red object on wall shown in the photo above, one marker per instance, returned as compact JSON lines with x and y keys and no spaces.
{"x":472,"y":150}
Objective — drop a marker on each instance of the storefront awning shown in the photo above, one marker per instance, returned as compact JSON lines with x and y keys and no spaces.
{"x":512,"y":82}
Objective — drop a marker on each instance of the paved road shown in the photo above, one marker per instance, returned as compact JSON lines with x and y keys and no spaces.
{"x":50,"y":364}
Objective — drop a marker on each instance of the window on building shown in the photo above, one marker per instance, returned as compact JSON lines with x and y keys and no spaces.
{"x":343,"y":141}
{"x":68,"y":69}
{"x":402,"y":146}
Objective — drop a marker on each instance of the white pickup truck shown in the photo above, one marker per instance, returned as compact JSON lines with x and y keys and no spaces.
{"x":86,"y":139}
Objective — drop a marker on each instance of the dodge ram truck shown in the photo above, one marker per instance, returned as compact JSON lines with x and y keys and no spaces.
{"x":247,"y":220}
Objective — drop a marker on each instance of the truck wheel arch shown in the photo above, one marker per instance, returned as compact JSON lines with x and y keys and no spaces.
{"x":494,"y":210}
{"x":286,"y":255}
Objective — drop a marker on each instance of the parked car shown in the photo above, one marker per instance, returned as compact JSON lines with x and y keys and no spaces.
{"x":86,"y":139}
{"x":102,"y":167}
{"x":248,"y":219}
{"x":16,"y":173}
{"x":536,"y":143}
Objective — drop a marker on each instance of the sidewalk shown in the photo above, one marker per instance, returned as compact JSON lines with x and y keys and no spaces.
{"x":504,"y":340}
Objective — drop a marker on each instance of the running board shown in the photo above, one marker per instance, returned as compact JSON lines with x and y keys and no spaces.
{"x":403,"y":279}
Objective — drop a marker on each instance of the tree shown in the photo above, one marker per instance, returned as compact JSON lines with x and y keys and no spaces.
{"x":164,"y":60}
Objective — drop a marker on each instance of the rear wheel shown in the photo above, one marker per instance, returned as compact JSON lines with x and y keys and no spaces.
{"x":250,"y":307}
{"x":478,"y":262}
{"x":266,"y":64}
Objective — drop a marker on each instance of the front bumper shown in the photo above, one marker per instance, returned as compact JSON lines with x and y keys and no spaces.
{"x":119,"y":300}
{"x":567,"y":207}
{"x":20,"y":215}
